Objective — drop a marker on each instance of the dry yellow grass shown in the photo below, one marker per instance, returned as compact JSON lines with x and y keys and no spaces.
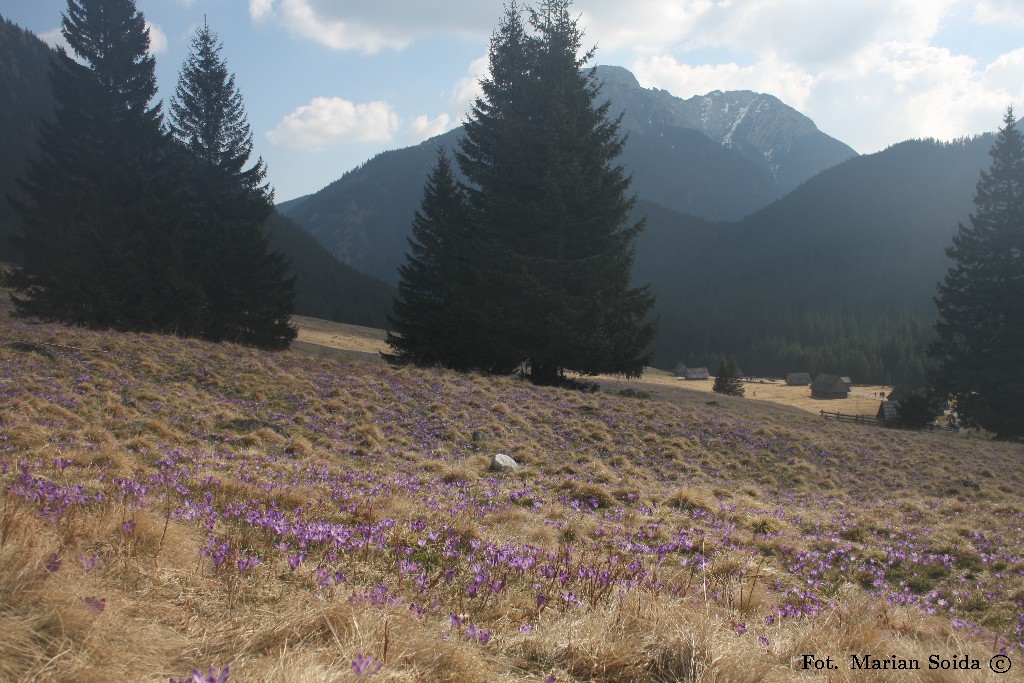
{"x":339,"y":335}
{"x":863,"y":399}
{"x":171,"y":504}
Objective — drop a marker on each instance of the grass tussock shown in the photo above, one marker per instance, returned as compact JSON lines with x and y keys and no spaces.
{"x":170,"y":505}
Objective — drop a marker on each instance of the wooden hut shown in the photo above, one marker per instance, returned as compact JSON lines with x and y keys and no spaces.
{"x":798,"y":379}
{"x":680,"y":369}
{"x":829,"y":386}
{"x":887,"y":410}
{"x":697,"y":373}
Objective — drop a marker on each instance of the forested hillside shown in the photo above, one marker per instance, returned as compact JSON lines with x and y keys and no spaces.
{"x":326,"y":288}
{"x":838,"y":276}
{"x":364,"y":217}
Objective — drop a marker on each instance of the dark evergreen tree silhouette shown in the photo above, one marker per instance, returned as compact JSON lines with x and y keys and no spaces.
{"x":727,"y":378}
{"x":101,"y":241}
{"x":553,"y":246}
{"x":918,"y":409}
{"x":981,"y":300}
{"x":431,"y":321}
{"x":248,"y":293}
{"x":492,"y":155}
{"x":25,"y":99}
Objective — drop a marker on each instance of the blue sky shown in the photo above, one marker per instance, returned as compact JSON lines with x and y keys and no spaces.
{"x":330,"y":83}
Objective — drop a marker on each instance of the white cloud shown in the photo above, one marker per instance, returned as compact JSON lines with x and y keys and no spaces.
{"x":1004,"y":77}
{"x":423,"y":128}
{"x":815,"y":33}
{"x":999,"y":12}
{"x":327,"y":120}
{"x":372,"y":26}
{"x":56,"y":39}
{"x":467,"y":88}
{"x":648,"y":26}
{"x":157,"y":39}
{"x":302,"y":18}
{"x":260,"y":9}
{"x":896,"y":91}
{"x":788,"y":82}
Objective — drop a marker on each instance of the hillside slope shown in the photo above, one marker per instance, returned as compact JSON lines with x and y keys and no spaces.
{"x":172,"y":504}
{"x":838,"y":276}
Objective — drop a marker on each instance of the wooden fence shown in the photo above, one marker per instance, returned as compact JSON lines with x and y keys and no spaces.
{"x":894,"y":424}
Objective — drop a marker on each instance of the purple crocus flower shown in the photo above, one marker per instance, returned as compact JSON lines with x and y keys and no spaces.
{"x":473,"y":632}
{"x":95,"y":602}
{"x":365,"y":666}
{"x":211,"y":677}
{"x":295,"y":560}
{"x":53,"y":563}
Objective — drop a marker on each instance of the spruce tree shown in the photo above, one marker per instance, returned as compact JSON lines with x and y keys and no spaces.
{"x":981,"y":300}
{"x":728,"y":380}
{"x":101,"y":241}
{"x":553,"y":242}
{"x":430,"y":323}
{"x":247,"y":291}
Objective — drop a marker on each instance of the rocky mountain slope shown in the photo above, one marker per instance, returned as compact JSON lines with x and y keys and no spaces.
{"x":760,"y":128}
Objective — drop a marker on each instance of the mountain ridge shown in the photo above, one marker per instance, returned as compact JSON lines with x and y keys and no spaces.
{"x":363,"y":217}
{"x":759,"y":126}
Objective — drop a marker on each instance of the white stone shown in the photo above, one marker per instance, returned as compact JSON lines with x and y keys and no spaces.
{"x":502,"y":463}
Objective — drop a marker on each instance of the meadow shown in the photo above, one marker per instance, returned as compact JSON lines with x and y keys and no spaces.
{"x":173,"y":506}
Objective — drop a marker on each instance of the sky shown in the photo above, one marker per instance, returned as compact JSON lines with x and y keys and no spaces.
{"x":328,"y":84}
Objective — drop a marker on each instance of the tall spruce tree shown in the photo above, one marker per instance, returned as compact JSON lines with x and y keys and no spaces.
{"x":100,"y":237}
{"x":981,"y":299}
{"x":430,"y":323}
{"x":247,"y":291}
{"x":492,"y":156}
{"x":552,"y":241}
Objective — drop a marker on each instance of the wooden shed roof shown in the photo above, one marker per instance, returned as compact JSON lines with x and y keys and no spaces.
{"x":798,"y":379}
{"x":829,"y":385}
